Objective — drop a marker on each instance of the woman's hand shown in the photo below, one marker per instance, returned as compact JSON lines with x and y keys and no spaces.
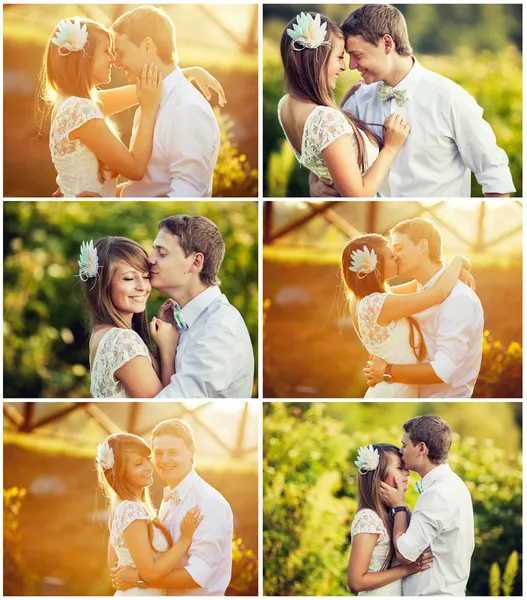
{"x":206,"y":82}
{"x":164,"y":335}
{"x":190,"y":523}
{"x":423,"y":563}
{"x":466,"y":264}
{"x":396,"y":130}
{"x":149,"y":88}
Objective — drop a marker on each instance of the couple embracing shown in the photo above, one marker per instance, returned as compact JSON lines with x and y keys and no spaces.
{"x":203,"y":345}
{"x":404,"y":132}
{"x":399,"y":553}
{"x":186,"y":550}
{"x":175,"y":138}
{"x":424,"y":337}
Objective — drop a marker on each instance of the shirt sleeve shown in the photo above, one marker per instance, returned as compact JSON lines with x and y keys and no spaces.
{"x":205,"y":552}
{"x":431,"y":514}
{"x":80,"y":112}
{"x":327,"y":126}
{"x":189,"y":161}
{"x":477,"y":146}
{"x":126,"y":345}
{"x":367,"y":521}
{"x":210,"y":365}
{"x":458,"y":319}
{"x":129,"y":512}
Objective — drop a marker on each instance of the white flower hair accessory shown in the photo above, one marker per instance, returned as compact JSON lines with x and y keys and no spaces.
{"x":105,"y":456}
{"x":363,"y":262}
{"x":88,"y":261}
{"x":70,"y":36}
{"x":367,"y":459}
{"x":308,"y":32}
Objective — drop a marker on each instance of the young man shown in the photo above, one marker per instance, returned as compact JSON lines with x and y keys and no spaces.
{"x":186,"y":134}
{"x":443,"y":518}
{"x":448,"y":136}
{"x":206,"y":569}
{"x":452,"y":331}
{"x":214,"y":356}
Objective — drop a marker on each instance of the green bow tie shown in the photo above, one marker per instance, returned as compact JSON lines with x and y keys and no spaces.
{"x":386,"y":92}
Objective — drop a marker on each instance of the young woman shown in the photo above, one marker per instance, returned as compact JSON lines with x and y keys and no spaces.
{"x":137,"y":538}
{"x":383,"y":320}
{"x":87,"y":153}
{"x":372,"y":569}
{"x":116,"y":285}
{"x":329,"y":142}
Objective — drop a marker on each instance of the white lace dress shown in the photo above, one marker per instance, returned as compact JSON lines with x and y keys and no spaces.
{"x":116,"y":347}
{"x":77,"y":166}
{"x":391,"y":343}
{"x":322,"y":127}
{"x":368,"y":521}
{"x":126,"y":513}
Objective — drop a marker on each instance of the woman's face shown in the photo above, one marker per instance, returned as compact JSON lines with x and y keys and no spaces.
{"x":336,"y":64}
{"x":397,"y":469}
{"x":130,"y":289}
{"x":390,"y":263}
{"x":139,"y":472}
{"x":103,"y":60}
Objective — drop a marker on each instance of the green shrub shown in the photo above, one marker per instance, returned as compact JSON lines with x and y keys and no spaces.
{"x":501,"y":371}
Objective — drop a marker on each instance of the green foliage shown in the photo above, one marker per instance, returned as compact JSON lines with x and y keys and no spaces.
{"x":310,"y":499}
{"x":509,"y":576}
{"x":45,"y":336}
{"x":501,"y":370}
{"x":493,"y":78}
{"x":244,"y":580}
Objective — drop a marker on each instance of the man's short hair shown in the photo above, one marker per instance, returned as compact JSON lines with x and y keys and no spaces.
{"x":434,"y":432}
{"x":198,"y":234}
{"x":423,"y":229}
{"x":176,"y":428}
{"x":373,"y":21}
{"x":152,"y":22}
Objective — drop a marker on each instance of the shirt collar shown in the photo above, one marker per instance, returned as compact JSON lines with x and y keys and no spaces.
{"x":169,"y":83}
{"x":433,"y":475}
{"x":411,"y":80}
{"x":183,"y":487}
{"x":432,"y":280}
{"x":197,"y":305}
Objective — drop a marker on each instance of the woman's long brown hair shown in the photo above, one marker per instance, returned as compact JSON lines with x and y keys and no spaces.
{"x":306,"y":77}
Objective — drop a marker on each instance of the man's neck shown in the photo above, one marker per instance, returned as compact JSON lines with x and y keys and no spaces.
{"x":425,"y":272}
{"x":165,"y":69}
{"x":402,"y":65}
{"x":175,"y":482}
{"x":183,"y":295}
{"x":428,"y":468}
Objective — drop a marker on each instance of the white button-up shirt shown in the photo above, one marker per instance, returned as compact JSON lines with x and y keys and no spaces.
{"x":214,"y":357}
{"x":453,"y":334}
{"x":186,"y":144}
{"x":209,"y":558}
{"x":448,"y":138}
{"x":443,"y":519}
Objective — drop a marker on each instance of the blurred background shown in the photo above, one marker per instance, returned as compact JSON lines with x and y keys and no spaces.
{"x":476,"y":45}
{"x":215,"y":37}
{"x":311,"y":349}
{"x":310,"y":489}
{"x":56,"y":519}
{"x":45,"y":325}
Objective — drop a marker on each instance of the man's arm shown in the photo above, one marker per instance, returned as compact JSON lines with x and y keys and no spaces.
{"x":477,"y":146}
{"x":422,"y":374}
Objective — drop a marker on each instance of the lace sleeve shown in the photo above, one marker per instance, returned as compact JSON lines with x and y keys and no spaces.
{"x":126,"y":345}
{"x":127,"y":512}
{"x":367,"y":521}
{"x":327,"y":125}
{"x":367,"y":315}
{"x":74,"y":113}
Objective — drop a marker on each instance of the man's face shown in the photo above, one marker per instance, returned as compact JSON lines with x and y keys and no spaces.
{"x":169,"y":267}
{"x":409,"y":453}
{"x":409,"y":255}
{"x":128,"y":56}
{"x":173,"y":461}
{"x":368,"y":59}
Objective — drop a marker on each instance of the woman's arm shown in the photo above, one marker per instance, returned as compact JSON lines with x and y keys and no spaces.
{"x":139,"y":378}
{"x":404,"y":288}
{"x":138,"y":544}
{"x":205,"y":82}
{"x":118,"y":99}
{"x":111,"y":556}
{"x":397,"y":306}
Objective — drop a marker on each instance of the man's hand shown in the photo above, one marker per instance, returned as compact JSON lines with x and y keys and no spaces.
{"x":88,"y":195}
{"x":393,"y":496}
{"x":166,"y":312}
{"x":351,"y":90}
{"x":57,"y":194}
{"x":374,"y":370}
{"x":124,"y":578}
{"x":322,"y":188}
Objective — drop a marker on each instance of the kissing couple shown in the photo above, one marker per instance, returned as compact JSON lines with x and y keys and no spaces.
{"x":424,"y":337}
{"x":203,"y":345}
{"x":398,"y":553}
{"x":186,"y":550}
{"x":405,"y":132}
{"x":175,"y":138}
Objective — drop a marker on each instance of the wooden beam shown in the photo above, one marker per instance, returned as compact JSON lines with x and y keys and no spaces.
{"x":58,"y":415}
{"x":238,"y":449}
{"x":303,"y":219}
{"x":13,"y":415}
{"x":101,"y":418}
